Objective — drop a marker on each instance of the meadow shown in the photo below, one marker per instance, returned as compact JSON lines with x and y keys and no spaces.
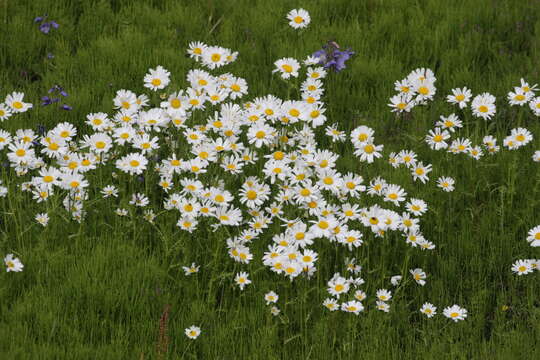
{"x":107,"y":286}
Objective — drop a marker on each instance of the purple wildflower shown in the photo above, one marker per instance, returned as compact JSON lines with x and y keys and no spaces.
{"x":66,"y":107}
{"x":331,"y":57}
{"x":45,"y":26}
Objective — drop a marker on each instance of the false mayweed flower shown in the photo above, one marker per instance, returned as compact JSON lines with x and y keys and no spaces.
{"x":331,"y":57}
{"x":455,"y":313}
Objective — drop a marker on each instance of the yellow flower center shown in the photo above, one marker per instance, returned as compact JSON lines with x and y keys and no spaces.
{"x":287,"y":68}
{"x":134,"y":163}
{"x":175,"y":103}
{"x":156,"y":82}
{"x":369,"y":148}
{"x":323,"y":224}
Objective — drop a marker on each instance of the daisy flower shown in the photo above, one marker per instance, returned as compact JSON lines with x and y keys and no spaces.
{"x":331,"y":304}
{"x":193,"y":332}
{"x":519,"y":97}
{"x":436,"y":139}
{"x":133,"y":163}
{"x":455,"y":313}
{"x":460,"y":97}
{"x":287,"y":67}
{"x":298,"y":18}
{"x":368,"y":152}
{"x":5,"y":112}
{"x":274,"y":310}
{"x":16,"y":103}
{"x":535,"y":157}
{"x":446,"y":183}
{"x":534,"y":105}
{"x":401,"y":103}
{"x":352,"y":306}
{"x":429,"y":310}
{"x":534,"y":236}
{"x":13,"y":264}
{"x":522,"y":267}
{"x":109,"y":190}
{"x":192,"y":269}
{"x":418,"y":275}
{"x":419,"y":172}
{"x":338,"y":285}
{"x":42,"y":219}
{"x":242,"y":280}
{"x":271,"y":297}
{"x":382,"y":306}
{"x":451,"y":122}
{"x":384,"y":295}
{"x":214,"y":57}
{"x":483,"y":106}
{"x":157,"y":79}
{"x":395,"y":280}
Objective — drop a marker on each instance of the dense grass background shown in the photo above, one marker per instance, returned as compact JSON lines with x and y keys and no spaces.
{"x":97,"y":290}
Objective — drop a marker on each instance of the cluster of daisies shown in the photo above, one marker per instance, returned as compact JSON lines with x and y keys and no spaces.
{"x":527,"y":266}
{"x":248,"y":167}
{"x":419,"y":87}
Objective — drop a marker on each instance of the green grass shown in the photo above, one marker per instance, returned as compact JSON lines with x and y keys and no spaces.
{"x":97,"y":290}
